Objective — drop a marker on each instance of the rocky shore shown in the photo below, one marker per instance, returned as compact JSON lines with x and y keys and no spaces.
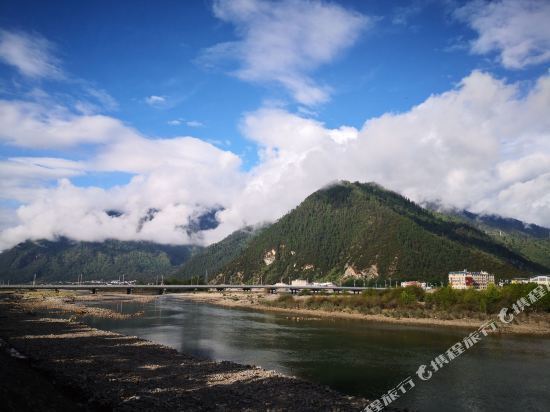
{"x":72,"y":366}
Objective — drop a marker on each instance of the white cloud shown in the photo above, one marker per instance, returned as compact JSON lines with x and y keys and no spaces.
{"x":31,"y":54}
{"x":484,"y":145}
{"x":179,"y":176}
{"x":284,"y":42}
{"x":8,"y":218}
{"x":155,"y":100}
{"x":35,"y":125}
{"x":475,"y":147}
{"x":194,"y":123}
{"x":190,"y":123}
{"x":22,"y":177}
{"x":517,"y":30}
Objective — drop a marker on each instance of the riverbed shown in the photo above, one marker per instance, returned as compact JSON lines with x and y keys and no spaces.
{"x":502,"y":372}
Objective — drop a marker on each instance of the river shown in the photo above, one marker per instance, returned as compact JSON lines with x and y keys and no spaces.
{"x":501,"y":373}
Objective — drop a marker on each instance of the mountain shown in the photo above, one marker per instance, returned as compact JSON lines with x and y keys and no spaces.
{"x":209,"y":260}
{"x":529,"y":240}
{"x":346,"y":231}
{"x":64,"y":260}
{"x":364,"y":231}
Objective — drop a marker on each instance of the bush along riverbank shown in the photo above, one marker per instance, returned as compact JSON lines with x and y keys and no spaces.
{"x":413,"y":302}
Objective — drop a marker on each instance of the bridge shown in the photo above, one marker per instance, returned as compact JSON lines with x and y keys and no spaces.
{"x":161,"y":289}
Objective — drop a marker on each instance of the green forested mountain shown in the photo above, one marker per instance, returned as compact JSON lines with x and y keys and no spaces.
{"x":531,"y":241}
{"x":209,"y":260}
{"x":64,"y":260}
{"x":365,"y":231}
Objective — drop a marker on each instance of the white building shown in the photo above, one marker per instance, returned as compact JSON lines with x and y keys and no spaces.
{"x":465,"y":279}
{"x":414,"y":283}
{"x":299,"y":282}
{"x":540,"y":280}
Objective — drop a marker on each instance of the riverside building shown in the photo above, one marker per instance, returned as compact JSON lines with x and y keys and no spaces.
{"x":465,"y":279}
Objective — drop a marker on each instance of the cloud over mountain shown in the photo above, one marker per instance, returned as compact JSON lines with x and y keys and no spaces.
{"x":483,"y":145}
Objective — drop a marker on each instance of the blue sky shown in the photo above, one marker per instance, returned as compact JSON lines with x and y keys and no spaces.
{"x":228,"y":73}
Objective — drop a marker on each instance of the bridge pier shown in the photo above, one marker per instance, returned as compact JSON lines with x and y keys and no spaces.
{"x":162,"y":291}
{"x":129,"y":291}
{"x":220,"y":289}
{"x":94,"y":291}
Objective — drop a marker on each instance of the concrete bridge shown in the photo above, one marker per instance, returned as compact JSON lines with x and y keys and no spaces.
{"x":161,"y":289}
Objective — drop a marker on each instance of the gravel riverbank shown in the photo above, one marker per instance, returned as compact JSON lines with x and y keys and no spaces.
{"x":93,"y":369}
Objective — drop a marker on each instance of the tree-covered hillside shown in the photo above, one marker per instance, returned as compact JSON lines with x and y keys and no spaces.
{"x":209,"y":260}
{"x":531,"y":241}
{"x":365,"y":231}
{"x":64,"y":260}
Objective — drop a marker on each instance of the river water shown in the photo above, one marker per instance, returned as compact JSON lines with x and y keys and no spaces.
{"x":501,"y":373}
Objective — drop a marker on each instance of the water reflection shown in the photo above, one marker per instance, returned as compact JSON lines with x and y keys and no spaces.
{"x":501,"y":373}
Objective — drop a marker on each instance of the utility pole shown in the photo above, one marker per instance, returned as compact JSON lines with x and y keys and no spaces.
{"x":162,"y":280}
{"x":34,"y":280}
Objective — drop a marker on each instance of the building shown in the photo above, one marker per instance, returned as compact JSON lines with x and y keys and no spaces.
{"x":540,"y":280}
{"x":414,"y":283}
{"x":299,"y":282}
{"x":465,"y":279}
{"x":519,"y":281}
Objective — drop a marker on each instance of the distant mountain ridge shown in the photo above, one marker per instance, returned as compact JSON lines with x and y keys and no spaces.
{"x":65,"y":260}
{"x":529,"y":240}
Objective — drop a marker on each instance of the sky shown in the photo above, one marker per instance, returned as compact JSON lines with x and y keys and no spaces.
{"x":132,"y":119}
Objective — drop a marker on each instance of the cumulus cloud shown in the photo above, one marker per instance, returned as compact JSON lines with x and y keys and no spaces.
{"x":483,"y":145}
{"x":517,"y":30}
{"x":31,"y":54}
{"x":477,"y":147}
{"x":178,"y":178}
{"x":284,"y":42}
